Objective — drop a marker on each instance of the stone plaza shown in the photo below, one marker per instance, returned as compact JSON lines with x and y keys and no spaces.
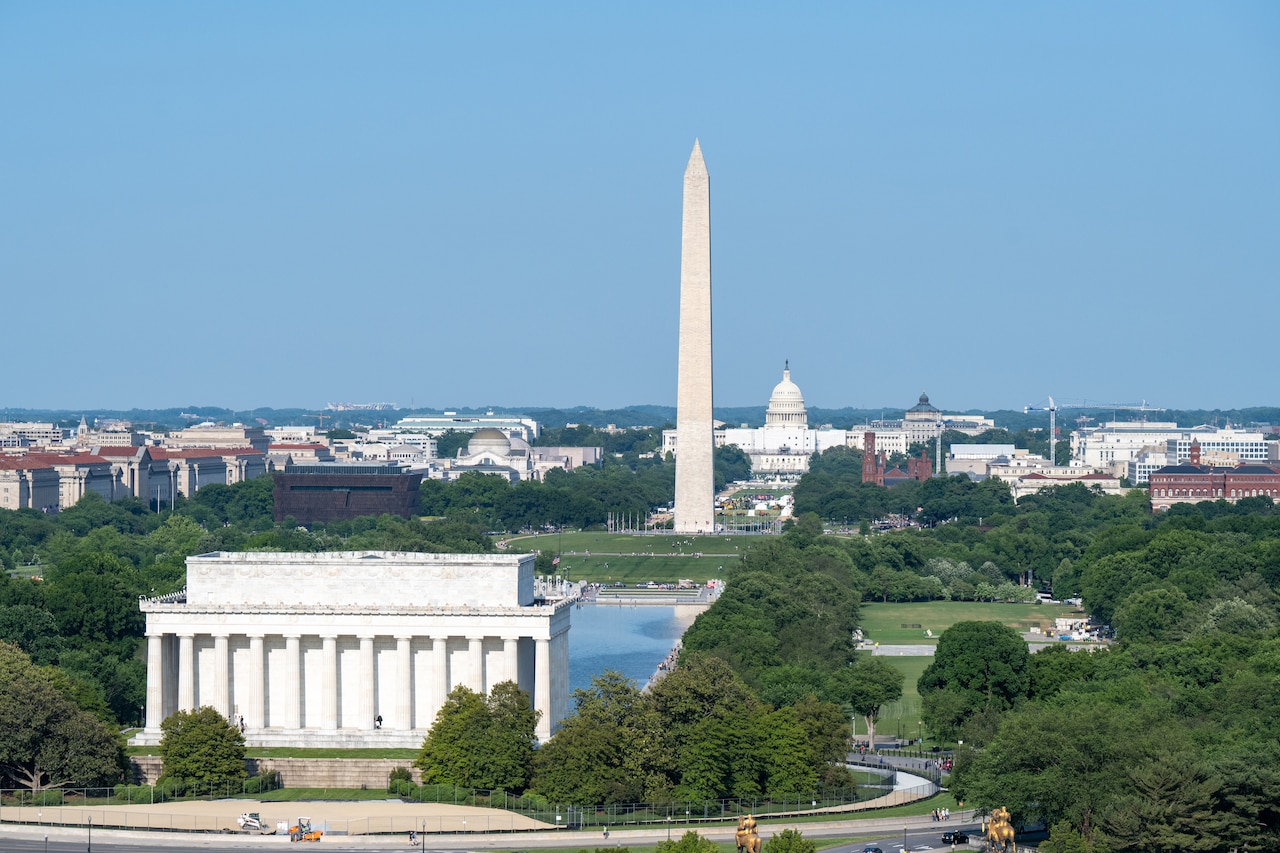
{"x":351,"y":649}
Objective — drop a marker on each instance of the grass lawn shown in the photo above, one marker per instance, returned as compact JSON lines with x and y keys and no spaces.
{"x":907,"y":623}
{"x":908,"y":707}
{"x":635,"y":558}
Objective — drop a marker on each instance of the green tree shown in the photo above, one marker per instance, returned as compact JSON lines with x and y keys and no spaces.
{"x":789,"y":841}
{"x":453,"y":752}
{"x":690,"y":842}
{"x":1065,"y":762}
{"x":201,"y":744}
{"x":1171,"y":807}
{"x":610,"y":750}
{"x":829,"y":737}
{"x":866,"y":687}
{"x":1065,"y":838}
{"x":46,"y":741}
{"x":1153,"y":614}
{"x":706,"y":710}
{"x":94,"y":598}
{"x":983,"y":665}
{"x":33,"y":629}
{"x":481,"y":741}
{"x":513,"y":723}
{"x":731,"y":465}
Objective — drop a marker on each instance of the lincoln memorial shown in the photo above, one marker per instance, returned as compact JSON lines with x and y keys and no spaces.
{"x":351,"y":649}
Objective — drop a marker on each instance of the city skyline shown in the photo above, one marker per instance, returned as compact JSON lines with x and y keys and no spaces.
{"x":282,"y":206}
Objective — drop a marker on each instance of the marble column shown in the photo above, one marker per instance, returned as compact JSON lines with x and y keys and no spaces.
{"x":290,"y":688}
{"x":475,"y":661}
{"x":155,"y":681}
{"x":186,"y":672}
{"x":439,"y":675}
{"x":221,"y":685}
{"x":404,"y":684}
{"x":368,"y":689}
{"x":511,"y":659}
{"x":329,"y":684}
{"x":542,"y":687}
{"x":256,"y":715}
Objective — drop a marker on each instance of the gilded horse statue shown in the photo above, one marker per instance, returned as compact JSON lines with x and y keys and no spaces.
{"x":747,"y":836}
{"x":1000,"y":832}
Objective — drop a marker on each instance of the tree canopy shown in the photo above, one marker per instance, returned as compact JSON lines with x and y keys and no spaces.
{"x":202,"y":745}
{"x":480,"y":741}
{"x":46,"y":740}
{"x":977,"y":666}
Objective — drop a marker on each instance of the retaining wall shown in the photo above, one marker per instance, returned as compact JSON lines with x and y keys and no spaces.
{"x":301,"y":772}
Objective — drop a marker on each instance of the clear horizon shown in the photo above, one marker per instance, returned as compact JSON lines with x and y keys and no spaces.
{"x":298,"y":203}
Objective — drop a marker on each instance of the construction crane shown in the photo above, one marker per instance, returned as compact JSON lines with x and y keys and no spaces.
{"x":1053,"y":408}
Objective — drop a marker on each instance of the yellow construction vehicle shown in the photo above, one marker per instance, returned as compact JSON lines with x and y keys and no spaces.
{"x":302,"y":831}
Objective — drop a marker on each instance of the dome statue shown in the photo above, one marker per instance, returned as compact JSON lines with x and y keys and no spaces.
{"x":786,"y":403}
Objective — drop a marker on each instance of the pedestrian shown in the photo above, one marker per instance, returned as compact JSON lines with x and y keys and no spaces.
{"x":413,"y":838}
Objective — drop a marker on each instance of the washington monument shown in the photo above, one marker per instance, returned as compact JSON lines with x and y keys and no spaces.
{"x":695,"y":482}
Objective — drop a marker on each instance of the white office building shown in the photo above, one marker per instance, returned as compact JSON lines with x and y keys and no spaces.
{"x":1134,"y":449}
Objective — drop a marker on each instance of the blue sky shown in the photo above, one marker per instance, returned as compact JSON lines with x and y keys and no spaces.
{"x":285,"y":204}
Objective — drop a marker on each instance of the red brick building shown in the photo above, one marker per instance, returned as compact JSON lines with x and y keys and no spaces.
{"x":1191,"y":482}
{"x":873,"y":464}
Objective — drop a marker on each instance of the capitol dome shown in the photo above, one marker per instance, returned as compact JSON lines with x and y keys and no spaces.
{"x":786,"y":404}
{"x":489,"y":440}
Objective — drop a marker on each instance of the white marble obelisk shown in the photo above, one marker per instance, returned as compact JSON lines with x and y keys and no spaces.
{"x":695,"y":482}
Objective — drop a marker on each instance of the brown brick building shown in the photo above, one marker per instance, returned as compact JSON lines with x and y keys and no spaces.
{"x":312,"y":493}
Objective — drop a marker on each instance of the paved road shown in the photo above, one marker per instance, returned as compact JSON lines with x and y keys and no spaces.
{"x":919,"y":838}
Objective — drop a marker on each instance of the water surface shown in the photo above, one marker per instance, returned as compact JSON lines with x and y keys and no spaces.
{"x":631,"y":640}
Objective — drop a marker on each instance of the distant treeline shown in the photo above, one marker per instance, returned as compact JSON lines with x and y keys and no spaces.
{"x":628,"y":417}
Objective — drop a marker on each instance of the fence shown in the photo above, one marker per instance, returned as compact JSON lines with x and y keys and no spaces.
{"x":127,"y":795}
{"x":628,"y":814}
{"x":125,"y":808}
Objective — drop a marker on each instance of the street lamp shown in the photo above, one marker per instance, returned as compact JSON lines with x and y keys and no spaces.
{"x":904,"y":839}
{"x":668,"y":827}
{"x":920,"y":734}
{"x":423,"y":836}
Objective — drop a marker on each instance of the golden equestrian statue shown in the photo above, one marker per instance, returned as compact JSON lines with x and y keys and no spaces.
{"x":1000,"y":832}
{"x":747,"y":836}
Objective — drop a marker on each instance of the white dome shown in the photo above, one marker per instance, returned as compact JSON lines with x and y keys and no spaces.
{"x":786,"y":404}
{"x":489,"y":439}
